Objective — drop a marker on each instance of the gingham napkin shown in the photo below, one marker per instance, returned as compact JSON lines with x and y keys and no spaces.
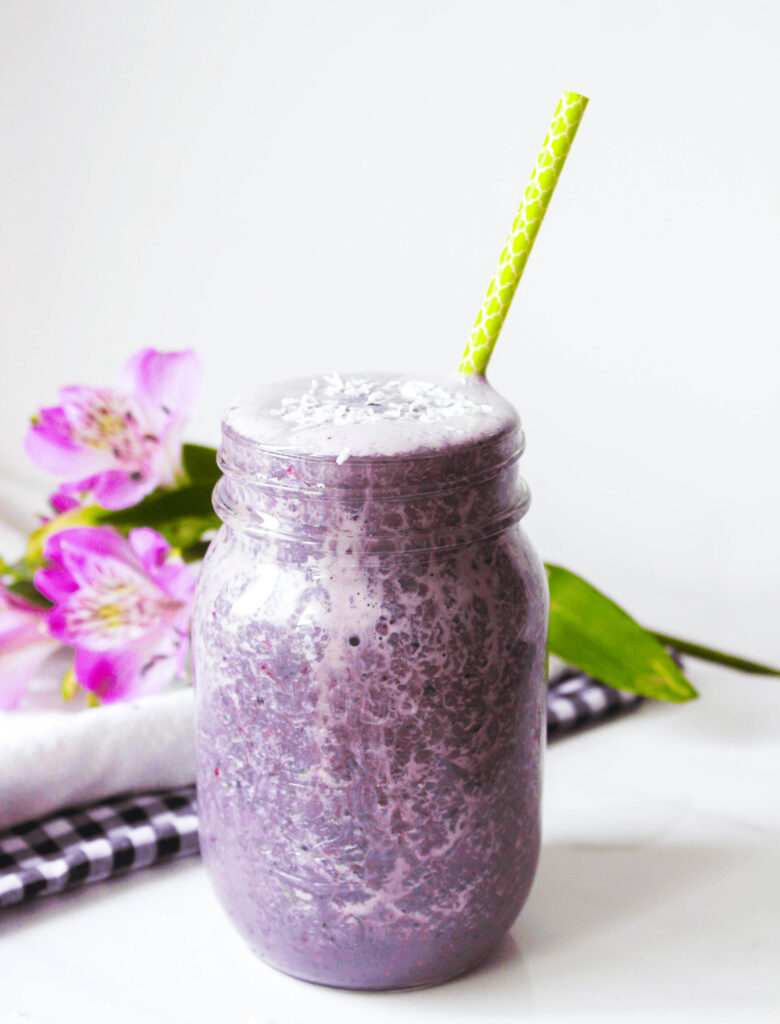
{"x":75,"y":847}
{"x":575,"y":701}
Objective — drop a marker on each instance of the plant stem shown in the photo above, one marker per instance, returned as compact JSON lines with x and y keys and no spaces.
{"x":708,"y":654}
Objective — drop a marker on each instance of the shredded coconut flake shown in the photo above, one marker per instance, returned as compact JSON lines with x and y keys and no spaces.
{"x":332,"y":400}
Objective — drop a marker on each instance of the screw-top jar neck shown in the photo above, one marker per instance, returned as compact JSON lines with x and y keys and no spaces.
{"x":362,"y":466}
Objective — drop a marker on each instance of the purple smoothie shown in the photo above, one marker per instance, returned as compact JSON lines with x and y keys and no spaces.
{"x":369,"y":646}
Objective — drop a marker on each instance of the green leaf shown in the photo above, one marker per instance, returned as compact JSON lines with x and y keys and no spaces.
{"x":185,"y":533}
{"x":195,"y":552}
{"x":27,"y":590}
{"x":200,"y":464}
{"x":718,"y":657}
{"x":181,"y":516}
{"x":591,"y":632}
{"x":161,"y":507}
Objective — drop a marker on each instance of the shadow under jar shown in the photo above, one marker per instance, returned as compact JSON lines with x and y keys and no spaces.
{"x":369,"y":643}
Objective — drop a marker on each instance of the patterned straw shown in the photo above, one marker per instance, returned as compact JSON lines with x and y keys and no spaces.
{"x":529,"y":217}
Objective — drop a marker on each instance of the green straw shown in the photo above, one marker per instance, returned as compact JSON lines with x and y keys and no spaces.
{"x":518,"y":246}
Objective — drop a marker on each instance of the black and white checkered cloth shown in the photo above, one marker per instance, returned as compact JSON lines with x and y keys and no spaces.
{"x":74,"y":846}
{"x":77,"y":846}
{"x":575,"y":701}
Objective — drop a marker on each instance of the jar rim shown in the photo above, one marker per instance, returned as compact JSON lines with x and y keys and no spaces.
{"x":286,"y":472}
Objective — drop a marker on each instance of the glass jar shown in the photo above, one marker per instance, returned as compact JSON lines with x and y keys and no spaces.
{"x":369,"y":644}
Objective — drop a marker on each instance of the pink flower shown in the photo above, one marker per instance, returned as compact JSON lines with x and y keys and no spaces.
{"x":61,"y":501}
{"x":118,"y":446}
{"x":124,"y":604}
{"x":25,"y":644}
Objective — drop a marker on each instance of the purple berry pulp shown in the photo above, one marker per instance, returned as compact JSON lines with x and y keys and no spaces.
{"x":369,"y":647}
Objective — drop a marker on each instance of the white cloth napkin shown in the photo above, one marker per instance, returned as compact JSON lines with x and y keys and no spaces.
{"x":51,"y":759}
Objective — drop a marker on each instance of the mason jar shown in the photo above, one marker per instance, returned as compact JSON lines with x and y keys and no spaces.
{"x":369,"y":646}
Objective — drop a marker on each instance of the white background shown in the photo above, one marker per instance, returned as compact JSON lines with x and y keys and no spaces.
{"x":306,"y":186}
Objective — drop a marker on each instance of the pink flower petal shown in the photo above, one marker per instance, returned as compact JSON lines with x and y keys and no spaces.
{"x":51,"y":447}
{"x":58,"y":625}
{"x":83,"y":551}
{"x":24,"y":645}
{"x":166,"y":381}
{"x":150,"y":547}
{"x":110,"y":675}
{"x":171,"y":574}
{"x":135,"y":671}
{"x":55,"y":583}
{"x":63,"y":500}
{"x":116,"y":489}
{"x":176,"y":578}
{"x":18,"y":666}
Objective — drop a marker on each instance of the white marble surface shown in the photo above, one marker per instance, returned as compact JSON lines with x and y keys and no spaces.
{"x":658,"y":897}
